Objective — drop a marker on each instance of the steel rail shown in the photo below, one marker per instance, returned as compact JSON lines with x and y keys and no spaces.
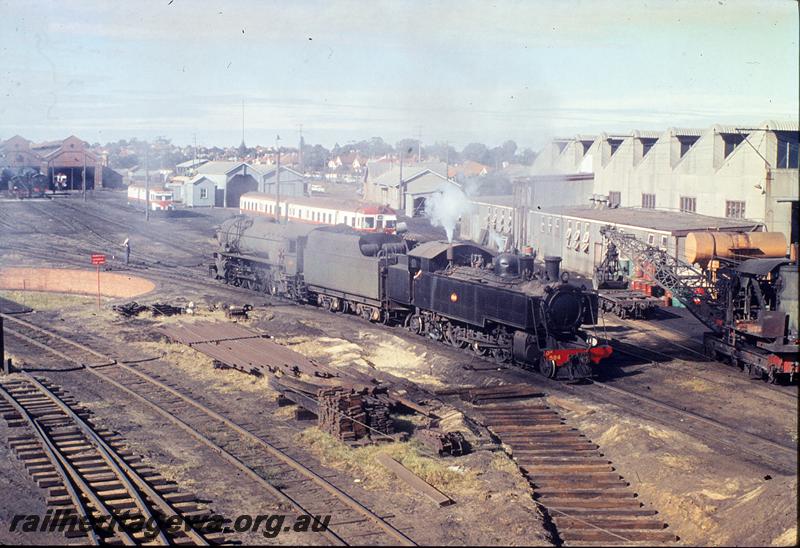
{"x":271,"y":449}
{"x":122,"y":469}
{"x":47,"y":333}
{"x":70,"y":475}
{"x":397,"y":535}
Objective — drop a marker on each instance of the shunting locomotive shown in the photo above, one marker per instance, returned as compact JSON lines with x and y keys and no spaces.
{"x":504,"y":307}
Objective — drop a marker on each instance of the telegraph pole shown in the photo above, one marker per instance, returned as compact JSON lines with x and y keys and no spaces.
{"x":84,"y":174}
{"x":300,"y":159}
{"x":147,"y":183}
{"x":278,"y":180}
{"x":419,"y":143}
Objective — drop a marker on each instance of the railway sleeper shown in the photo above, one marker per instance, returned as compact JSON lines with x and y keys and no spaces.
{"x":540,"y":445}
{"x":596,"y":535}
{"x":609,"y":523}
{"x":584,"y":493}
{"x":566,"y":504}
{"x":536,"y":476}
{"x":556,"y":452}
{"x":566,"y":486}
{"x":567,"y":468}
{"x":561,"y":461}
{"x":504,"y":430}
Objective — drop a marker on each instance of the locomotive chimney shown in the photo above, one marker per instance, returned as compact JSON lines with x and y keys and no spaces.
{"x":552,"y":267}
{"x":450,"y":255}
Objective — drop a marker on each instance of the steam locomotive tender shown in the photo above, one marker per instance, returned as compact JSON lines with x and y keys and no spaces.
{"x":499,"y":306}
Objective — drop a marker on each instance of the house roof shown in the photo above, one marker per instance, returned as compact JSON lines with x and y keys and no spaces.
{"x":677,"y":223}
{"x":217,"y":179}
{"x":269,"y":170}
{"x":192,"y":163}
{"x":391,"y":177}
{"x":219,"y":167}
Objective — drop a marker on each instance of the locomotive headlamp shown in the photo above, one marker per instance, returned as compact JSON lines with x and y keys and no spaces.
{"x":453,"y":297}
{"x":593,"y":341}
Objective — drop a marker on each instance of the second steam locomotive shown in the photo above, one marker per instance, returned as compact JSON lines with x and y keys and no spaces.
{"x":499,"y":306}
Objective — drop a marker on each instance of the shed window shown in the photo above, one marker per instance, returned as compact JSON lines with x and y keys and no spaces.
{"x":734,"y":209}
{"x":649,"y":201}
{"x":664,"y":241}
{"x":688,"y":204}
{"x":651,"y":239}
{"x":787,"y":149}
{"x":614,"y":198}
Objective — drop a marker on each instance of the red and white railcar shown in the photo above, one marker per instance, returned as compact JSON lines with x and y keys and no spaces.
{"x":324,"y":211}
{"x":161,"y":199}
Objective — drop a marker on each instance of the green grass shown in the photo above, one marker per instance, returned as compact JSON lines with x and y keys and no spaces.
{"x":41,"y":300}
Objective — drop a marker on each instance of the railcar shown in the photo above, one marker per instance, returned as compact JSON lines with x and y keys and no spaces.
{"x":160,"y":199}
{"x":321,"y":211}
{"x":499,"y":306}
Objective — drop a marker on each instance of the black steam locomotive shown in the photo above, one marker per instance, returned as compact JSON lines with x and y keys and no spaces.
{"x":500,"y":306}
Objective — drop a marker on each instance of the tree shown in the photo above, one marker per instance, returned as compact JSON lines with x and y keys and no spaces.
{"x":315,"y":158}
{"x":378,"y":147}
{"x":444,"y":152}
{"x":509,"y":149}
{"x":477,"y":152}
{"x":408,"y":147}
{"x":526,"y":157}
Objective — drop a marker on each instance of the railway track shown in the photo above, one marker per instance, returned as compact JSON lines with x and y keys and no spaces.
{"x":789,"y":392}
{"x":585,"y":500}
{"x":111,"y":496}
{"x":257,"y":455}
{"x":32,"y":336}
{"x":760,"y":450}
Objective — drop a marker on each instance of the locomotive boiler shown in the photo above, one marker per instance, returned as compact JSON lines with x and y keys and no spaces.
{"x":500,"y":306}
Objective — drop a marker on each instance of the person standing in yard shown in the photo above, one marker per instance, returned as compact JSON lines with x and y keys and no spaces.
{"x":127,"y":245}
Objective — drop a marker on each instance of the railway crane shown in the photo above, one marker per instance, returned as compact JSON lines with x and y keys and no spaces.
{"x":750,"y":305}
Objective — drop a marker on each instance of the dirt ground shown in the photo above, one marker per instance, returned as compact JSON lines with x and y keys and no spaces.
{"x":708,"y":497}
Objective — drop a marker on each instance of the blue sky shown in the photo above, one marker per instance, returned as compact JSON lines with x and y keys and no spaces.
{"x":462,"y":70}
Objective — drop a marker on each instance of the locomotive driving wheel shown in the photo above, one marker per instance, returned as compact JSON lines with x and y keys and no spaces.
{"x":501,"y":355}
{"x":547,"y":367}
{"x":452,"y":336}
{"x":414,"y":324}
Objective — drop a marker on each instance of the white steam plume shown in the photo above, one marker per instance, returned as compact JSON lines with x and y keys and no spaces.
{"x":446,"y":208}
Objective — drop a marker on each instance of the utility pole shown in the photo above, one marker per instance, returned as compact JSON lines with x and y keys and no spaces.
{"x":300,"y":158}
{"x":84,"y":174}
{"x":147,"y":183}
{"x":446,"y":159}
{"x":401,"y":186}
{"x":278,"y":179}
{"x":419,"y":143}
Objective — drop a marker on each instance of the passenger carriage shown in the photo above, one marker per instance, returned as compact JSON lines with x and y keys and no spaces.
{"x":322,"y":211}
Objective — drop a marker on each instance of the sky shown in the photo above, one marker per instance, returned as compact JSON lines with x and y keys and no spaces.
{"x":448,"y":70}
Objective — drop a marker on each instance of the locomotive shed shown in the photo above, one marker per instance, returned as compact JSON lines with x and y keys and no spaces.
{"x":673,"y":443}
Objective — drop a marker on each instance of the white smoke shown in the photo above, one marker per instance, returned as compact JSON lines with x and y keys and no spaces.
{"x":498,"y":240}
{"x":445,"y":208}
